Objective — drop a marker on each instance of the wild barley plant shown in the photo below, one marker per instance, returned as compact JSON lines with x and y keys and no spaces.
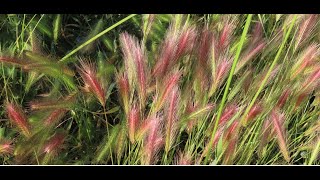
{"x":210,"y":93}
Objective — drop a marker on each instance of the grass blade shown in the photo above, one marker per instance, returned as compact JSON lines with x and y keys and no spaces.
{"x":269,"y":71}
{"x":65,"y":58}
{"x":244,"y":33}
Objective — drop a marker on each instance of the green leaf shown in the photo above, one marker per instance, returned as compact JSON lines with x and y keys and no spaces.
{"x":56,"y":28}
{"x":113,"y":110}
{"x":107,"y":144}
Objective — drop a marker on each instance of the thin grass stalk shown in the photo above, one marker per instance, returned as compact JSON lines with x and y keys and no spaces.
{"x":244,"y":33}
{"x":315,"y":153}
{"x":64,"y":59}
{"x":269,"y":71}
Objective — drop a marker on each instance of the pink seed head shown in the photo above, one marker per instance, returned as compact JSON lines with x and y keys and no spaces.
{"x":227,"y":114}
{"x":55,"y":117}
{"x":300,"y":98}
{"x":278,"y":124}
{"x":17,"y":116}
{"x":306,"y":27}
{"x":133,"y":122}
{"x":191,"y":107}
{"x":6,"y":147}
{"x":168,"y":85}
{"x":184,"y":159}
{"x":254,"y":112}
{"x":14,"y":61}
{"x":252,"y":52}
{"x":217,"y":136}
{"x":185,"y":42}
{"x":307,"y":58}
{"x":257,"y":33}
{"x":166,"y":56}
{"x":124,"y":90}
{"x":283,"y":98}
{"x":154,"y":140}
{"x":171,"y":117}
{"x":222,"y":68}
{"x":205,"y":43}
{"x":90,"y":78}
{"x":135,"y":62}
{"x":313,"y":79}
{"x":54,"y":144}
{"x":232,"y":130}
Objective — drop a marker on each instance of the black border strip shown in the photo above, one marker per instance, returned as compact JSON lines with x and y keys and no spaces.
{"x":162,"y":172}
{"x":160,"y":6}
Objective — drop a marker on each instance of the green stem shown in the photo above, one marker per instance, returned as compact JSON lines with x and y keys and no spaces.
{"x":244,"y":33}
{"x":107,"y":125}
{"x":64,"y":59}
{"x":269,"y":71}
{"x":315,"y":153}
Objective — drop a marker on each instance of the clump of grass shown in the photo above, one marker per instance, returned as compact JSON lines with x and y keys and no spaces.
{"x":189,"y":89}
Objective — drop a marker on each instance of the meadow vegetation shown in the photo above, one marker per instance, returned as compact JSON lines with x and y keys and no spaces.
{"x":159,"y":89}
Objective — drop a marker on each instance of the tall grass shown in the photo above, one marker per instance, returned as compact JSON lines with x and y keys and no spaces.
{"x":159,"y":89}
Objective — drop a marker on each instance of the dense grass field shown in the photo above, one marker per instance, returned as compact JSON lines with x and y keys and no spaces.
{"x":159,"y":89}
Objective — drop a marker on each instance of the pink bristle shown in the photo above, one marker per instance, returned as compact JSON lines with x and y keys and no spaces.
{"x":217,"y":136}
{"x":153,"y":141}
{"x":222,"y":70}
{"x":52,"y":103}
{"x":133,"y":122}
{"x":306,"y":59}
{"x":231,"y":131}
{"x":251,"y":53}
{"x":135,"y":63}
{"x":257,"y":33}
{"x":255,"y":46}
{"x":191,"y":107}
{"x":143,"y":128}
{"x":313,"y":78}
{"x":277,"y":120}
{"x":265,"y":133}
{"x":205,"y":43}
{"x":184,"y":159}
{"x":141,"y":73}
{"x":170,"y":82}
{"x":167,"y":53}
{"x":254,"y":112}
{"x":283,"y":98}
{"x":54,"y":144}
{"x":231,"y":138}
{"x":17,"y":116}
{"x":185,"y":42}
{"x":6,"y":147}
{"x":300,"y":98}
{"x":89,"y":76}
{"x":230,"y":150}
{"x":128,"y":48}
{"x":226,"y":35}
{"x":55,"y":117}
{"x":124,"y":90}
{"x":306,"y":27}
{"x":171,"y":117}
{"x":228,"y":113}
{"x":148,"y":22}
{"x":264,"y":73}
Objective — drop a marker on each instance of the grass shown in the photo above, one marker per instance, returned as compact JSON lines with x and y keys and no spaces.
{"x":159,"y":89}
{"x":226,"y":90}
